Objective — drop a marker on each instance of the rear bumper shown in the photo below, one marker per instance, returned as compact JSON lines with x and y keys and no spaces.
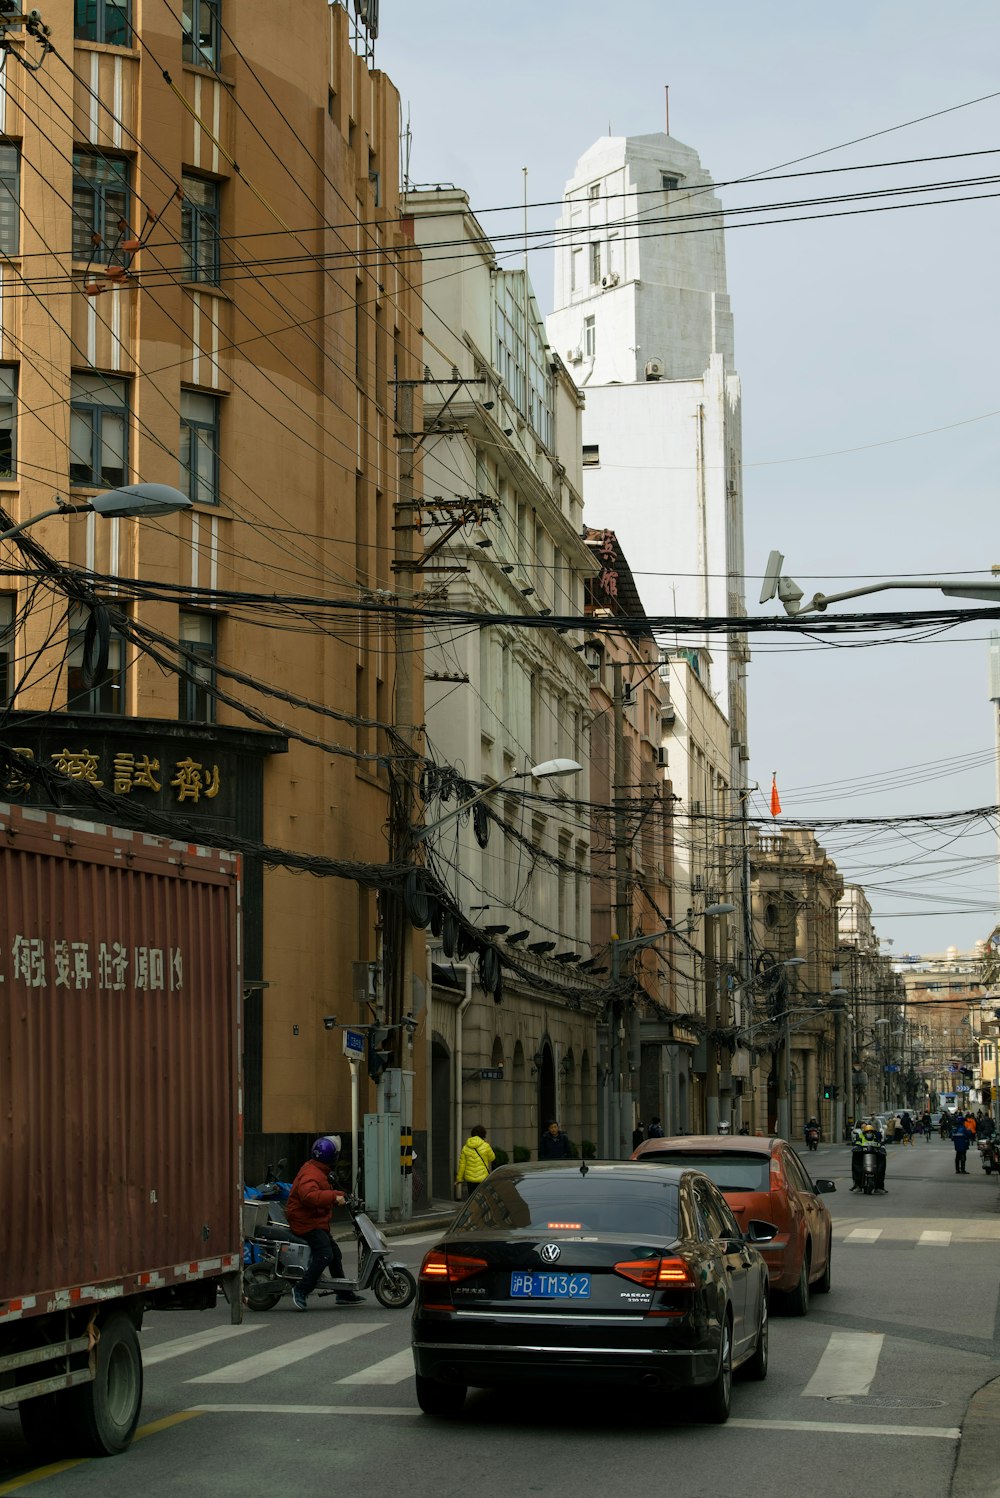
{"x":482,"y":1363}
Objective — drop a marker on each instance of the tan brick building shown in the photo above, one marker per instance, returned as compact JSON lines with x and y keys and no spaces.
{"x":205,"y":284}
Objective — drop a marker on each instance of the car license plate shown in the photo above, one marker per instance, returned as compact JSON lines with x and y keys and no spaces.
{"x":549,"y":1286}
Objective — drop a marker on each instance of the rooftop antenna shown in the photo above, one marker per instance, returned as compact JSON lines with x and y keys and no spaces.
{"x":407,"y":142}
{"x":666,"y":106}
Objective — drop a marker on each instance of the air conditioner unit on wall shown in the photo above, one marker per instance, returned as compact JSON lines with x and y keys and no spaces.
{"x":575,"y":356}
{"x":611,"y":279}
{"x":654,"y":369}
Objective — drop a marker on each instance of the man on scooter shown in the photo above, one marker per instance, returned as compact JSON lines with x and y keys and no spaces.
{"x":871,"y":1138}
{"x":308,"y":1209}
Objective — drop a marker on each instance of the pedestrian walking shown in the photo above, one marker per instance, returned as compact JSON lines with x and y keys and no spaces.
{"x":655,"y":1128}
{"x":907,"y":1121}
{"x":638,"y":1135}
{"x":926,"y":1121}
{"x":960,"y":1139}
{"x":897,"y":1129}
{"x":475,"y":1161}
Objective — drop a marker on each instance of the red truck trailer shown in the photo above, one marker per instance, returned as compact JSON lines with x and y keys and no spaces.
{"x":120,"y":1124}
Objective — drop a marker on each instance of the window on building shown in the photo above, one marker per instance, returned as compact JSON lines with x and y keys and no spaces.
{"x":595,"y":261}
{"x":589,"y":338}
{"x":200,"y":447}
{"x":576,"y":270}
{"x":100,"y":207}
{"x":7,"y":614}
{"x":669,"y":184}
{"x":196,"y":700}
{"x":108,"y":21}
{"x":8,"y":421}
{"x":107,"y":693}
{"x":98,"y":431}
{"x":201,"y":32}
{"x":987,"y":1050}
{"x":591,"y":455}
{"x":594,"y":190}
{"x":10,"y":198}
{"x":200,"y":230}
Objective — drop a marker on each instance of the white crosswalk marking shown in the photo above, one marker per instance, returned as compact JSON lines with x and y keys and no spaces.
{"x":245,"y":1371}
{"x":863,"y":1235}
{"x":848,"y":1365}
{"x":932,"y":1238}
{"x":197,"y":1340}
{"x":389,"y":1371}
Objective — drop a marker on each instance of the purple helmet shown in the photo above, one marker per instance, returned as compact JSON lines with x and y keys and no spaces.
{"x":325,"y":1151}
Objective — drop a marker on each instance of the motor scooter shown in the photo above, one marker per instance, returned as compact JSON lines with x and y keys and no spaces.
{"x":989,"y":1154}
{"x":277,"y":1259}
{"x":869,"y":1165}
{"x":812,"y":1137}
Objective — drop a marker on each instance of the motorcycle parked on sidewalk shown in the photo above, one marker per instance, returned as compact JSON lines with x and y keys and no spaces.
{"x":275,"y":1259}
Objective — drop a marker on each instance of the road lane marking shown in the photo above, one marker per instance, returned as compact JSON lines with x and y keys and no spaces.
{"x":932,"y":1238}
{"x":403,"y":1242}
{"x":863,"y":1235}
{"x":245,"y":1371}
{"x":381,"y":1410}
{"x":195,"y":1342}
{"x":835,"y":1427}
{"x":390,"y":1370}
{"x":53,"y":1469}
{"x":821,"y":1427}
{"x":848,"y":1365}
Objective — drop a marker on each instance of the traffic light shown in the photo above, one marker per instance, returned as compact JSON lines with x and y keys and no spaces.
{"x":378,"y":1057}
{"x":827,"y":1093}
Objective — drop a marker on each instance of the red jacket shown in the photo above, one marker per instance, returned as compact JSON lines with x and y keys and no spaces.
{"x":312,"y":1199}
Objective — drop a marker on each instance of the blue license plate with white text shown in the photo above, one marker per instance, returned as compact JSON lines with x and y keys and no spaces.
{"x":534,"y":1286}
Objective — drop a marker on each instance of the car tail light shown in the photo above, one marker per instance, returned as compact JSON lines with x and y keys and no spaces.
{"x":642,"y":1271}
{"x":674,"y":1274}
{"x":657,"y":1274}
{"x":441,"y":1268}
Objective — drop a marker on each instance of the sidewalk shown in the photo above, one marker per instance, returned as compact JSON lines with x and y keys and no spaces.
{"x":977,"y":1469}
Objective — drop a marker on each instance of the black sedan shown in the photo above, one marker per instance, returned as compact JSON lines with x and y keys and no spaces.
{"x":627,"y":1273}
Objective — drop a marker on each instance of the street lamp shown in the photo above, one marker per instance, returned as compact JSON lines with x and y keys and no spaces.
{"x":549,"y":769}
{"x":139,"y":501}
{"x":789,"y":593}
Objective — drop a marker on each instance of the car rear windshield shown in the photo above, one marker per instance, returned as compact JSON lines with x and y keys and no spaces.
{"x":597,"y":1202}
{"x":729,"y":1172}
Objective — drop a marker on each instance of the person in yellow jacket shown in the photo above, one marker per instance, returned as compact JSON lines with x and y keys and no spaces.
{"x":476,"y":1160}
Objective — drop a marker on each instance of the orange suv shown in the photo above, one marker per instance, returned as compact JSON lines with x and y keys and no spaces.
{"x":764,"y":1178}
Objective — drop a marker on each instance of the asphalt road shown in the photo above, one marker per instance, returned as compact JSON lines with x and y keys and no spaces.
{"x":867,"y":1393}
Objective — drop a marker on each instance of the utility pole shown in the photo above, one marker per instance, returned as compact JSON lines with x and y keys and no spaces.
{"x":711,"y":970}
{"x":618,"y":1027}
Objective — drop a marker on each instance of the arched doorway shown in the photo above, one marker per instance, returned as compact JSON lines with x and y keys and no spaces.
{"x":444,"y":1161}
{"x":546,"y":1088}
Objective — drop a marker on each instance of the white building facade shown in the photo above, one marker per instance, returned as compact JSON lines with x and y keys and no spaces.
{"x":642,"y":317}
{"x":502,"y":494}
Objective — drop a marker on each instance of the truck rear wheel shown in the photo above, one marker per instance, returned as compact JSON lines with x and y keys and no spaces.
{"x":105,"y":1412}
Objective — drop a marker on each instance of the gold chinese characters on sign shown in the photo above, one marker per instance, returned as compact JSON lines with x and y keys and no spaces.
{"x":191,"y":780}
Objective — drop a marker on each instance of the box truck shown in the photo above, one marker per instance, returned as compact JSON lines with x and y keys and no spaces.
{"x":120,"y":1126}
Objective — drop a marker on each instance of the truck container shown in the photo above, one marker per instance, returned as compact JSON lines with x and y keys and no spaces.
{"x":120,"y":1126}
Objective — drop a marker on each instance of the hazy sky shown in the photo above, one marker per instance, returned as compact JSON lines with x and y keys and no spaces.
{"x":850,"y":332}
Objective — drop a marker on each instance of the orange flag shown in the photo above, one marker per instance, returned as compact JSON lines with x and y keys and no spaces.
{"x":775,"y":803}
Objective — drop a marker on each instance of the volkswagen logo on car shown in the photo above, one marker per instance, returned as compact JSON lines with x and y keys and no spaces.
{"x":549,"y":1253}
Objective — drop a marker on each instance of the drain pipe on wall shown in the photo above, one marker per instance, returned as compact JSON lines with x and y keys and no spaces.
{"x":459,"y":1051}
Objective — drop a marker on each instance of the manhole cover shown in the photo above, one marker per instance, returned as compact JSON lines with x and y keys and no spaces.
{"x":886,"y":1402}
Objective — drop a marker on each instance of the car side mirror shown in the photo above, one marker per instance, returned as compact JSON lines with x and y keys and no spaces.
{"x":760,"y":1232}
{"x":824,"y":1186}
